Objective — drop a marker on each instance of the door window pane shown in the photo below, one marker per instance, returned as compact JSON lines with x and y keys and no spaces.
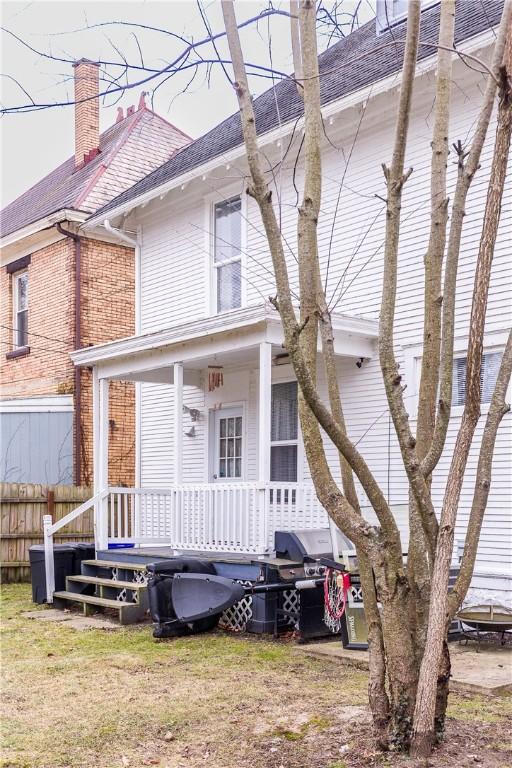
{"x":230,"y":447}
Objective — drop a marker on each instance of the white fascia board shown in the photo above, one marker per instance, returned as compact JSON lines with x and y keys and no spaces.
{"x":331,"y":109}
{"x":185,"y":332}
{"x":43,"y":404}
{"x":65,"y":214}
{"x":204,"y":329}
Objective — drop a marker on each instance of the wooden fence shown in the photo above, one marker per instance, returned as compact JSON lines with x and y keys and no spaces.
{"x":22,"y":506}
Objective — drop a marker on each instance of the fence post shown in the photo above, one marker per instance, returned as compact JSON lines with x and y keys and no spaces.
{"x":49,"y":565}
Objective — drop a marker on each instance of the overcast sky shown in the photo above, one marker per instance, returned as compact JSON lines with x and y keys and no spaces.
{"x":34,"y":143}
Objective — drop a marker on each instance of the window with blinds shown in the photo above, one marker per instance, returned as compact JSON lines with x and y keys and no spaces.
{"x":488,"y":375}
{"x":20,"y":306}
{"x":284,"y":432}
{"x":227,"y":257}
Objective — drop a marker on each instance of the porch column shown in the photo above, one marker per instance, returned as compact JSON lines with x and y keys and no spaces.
{"x":100,"y":389}
{"x":265,"y":395}
{"x":264,"y":411}
{"x":178,"y":422}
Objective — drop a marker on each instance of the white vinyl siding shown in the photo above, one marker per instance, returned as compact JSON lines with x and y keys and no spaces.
{"x":176,"y":284}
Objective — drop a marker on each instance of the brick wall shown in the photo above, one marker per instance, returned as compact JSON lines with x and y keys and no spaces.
{"x":108,"y":312}
{"x":47,"y":369}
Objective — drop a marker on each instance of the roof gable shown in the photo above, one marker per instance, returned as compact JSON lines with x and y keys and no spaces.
{"x":129,"y":150}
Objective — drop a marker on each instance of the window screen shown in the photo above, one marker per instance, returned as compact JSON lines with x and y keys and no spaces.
{"x":488,"y":375}
{"x":227,"y":254}
{"x":283,"y":434}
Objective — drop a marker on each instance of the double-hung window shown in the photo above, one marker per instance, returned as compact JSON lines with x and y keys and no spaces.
{"x":20,"y":307}
{"x":227,"y":257}
{"x":283,"y":432}
{"x":488,"y":375}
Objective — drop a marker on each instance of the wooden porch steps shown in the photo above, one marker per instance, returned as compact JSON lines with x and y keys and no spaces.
{"x":106,"y":582}
{"x":125,"y":592}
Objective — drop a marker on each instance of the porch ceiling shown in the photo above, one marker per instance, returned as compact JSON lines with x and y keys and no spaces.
{"x":227,"y":339}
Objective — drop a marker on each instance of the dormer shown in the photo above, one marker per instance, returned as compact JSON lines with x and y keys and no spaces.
{"x":392,"y":12}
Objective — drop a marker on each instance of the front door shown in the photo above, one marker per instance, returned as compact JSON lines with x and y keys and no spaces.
{"x":228,"y":449}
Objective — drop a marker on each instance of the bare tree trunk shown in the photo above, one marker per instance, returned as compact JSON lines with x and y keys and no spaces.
{"x":419,"y":567}
{"x":497,"y":409}
{"x":425,"y":705}
{"x":468,"y":164}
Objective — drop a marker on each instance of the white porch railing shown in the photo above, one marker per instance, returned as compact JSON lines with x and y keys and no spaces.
{"x":218,"y":517}
{"x":225,"y":517}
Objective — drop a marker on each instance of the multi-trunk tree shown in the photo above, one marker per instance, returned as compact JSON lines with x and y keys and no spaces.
{"x":408,"y":605}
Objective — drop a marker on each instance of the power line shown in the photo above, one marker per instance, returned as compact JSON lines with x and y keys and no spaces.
{"x":32,"y":333}
{"x":42,"y":349}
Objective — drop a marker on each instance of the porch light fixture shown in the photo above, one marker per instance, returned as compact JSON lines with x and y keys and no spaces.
{"x":191,"y":432}
{"x":192,"y":412}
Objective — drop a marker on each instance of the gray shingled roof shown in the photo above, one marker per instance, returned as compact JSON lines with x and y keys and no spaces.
{"x":341,"y":74}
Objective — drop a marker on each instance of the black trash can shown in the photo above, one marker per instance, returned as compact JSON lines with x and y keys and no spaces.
{"x":63,"y":556}
{"x":83,"y":550}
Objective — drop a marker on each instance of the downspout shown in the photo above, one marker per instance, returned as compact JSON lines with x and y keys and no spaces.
{"x":135,"y":244}
{"x":77,"y":344}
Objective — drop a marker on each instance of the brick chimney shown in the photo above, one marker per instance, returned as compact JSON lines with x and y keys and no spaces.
{"x":87,"y":111}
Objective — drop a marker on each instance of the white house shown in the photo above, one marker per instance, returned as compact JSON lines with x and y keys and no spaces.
{"x":220,"y":463}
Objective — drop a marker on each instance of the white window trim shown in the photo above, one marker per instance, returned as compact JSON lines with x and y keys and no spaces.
{"x":493,"y":342}
{"x":211,"y":267}
{"x":15,"y":277}
{"x":46,"y":404}
{"x":298,"y":442}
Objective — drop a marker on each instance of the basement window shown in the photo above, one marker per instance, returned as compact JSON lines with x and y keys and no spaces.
{"x":488,"y":375}
{"x":227,"y":257}
{"x":20,"y":310}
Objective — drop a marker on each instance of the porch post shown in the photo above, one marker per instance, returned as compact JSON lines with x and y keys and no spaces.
{"x":178,"y":422}
{"x":265,"y":395}
{"x":100,"y":456}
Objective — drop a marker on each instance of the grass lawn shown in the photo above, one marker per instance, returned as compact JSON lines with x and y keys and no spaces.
{"x":102,"y":699}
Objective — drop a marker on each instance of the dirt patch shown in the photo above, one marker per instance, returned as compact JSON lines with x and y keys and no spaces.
{"x":119,"y":699}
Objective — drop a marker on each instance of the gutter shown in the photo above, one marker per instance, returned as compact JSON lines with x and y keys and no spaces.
{"x":78,"y":343}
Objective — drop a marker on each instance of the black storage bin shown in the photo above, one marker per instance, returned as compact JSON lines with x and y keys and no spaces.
{"x":83,"y":550}
{"x":63,"y":556}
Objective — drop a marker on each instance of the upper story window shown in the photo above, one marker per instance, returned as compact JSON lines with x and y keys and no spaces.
{"x":284,"y":432}
{"x":390,"y":12}
{"x":227,"y":257}
{"x":488,"y":375}
{"x":20,"y":309}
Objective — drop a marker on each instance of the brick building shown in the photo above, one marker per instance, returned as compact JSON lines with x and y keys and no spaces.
{"x":61,"y":291}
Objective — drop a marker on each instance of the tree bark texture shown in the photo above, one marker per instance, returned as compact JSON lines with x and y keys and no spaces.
{"x":424,"y":732}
